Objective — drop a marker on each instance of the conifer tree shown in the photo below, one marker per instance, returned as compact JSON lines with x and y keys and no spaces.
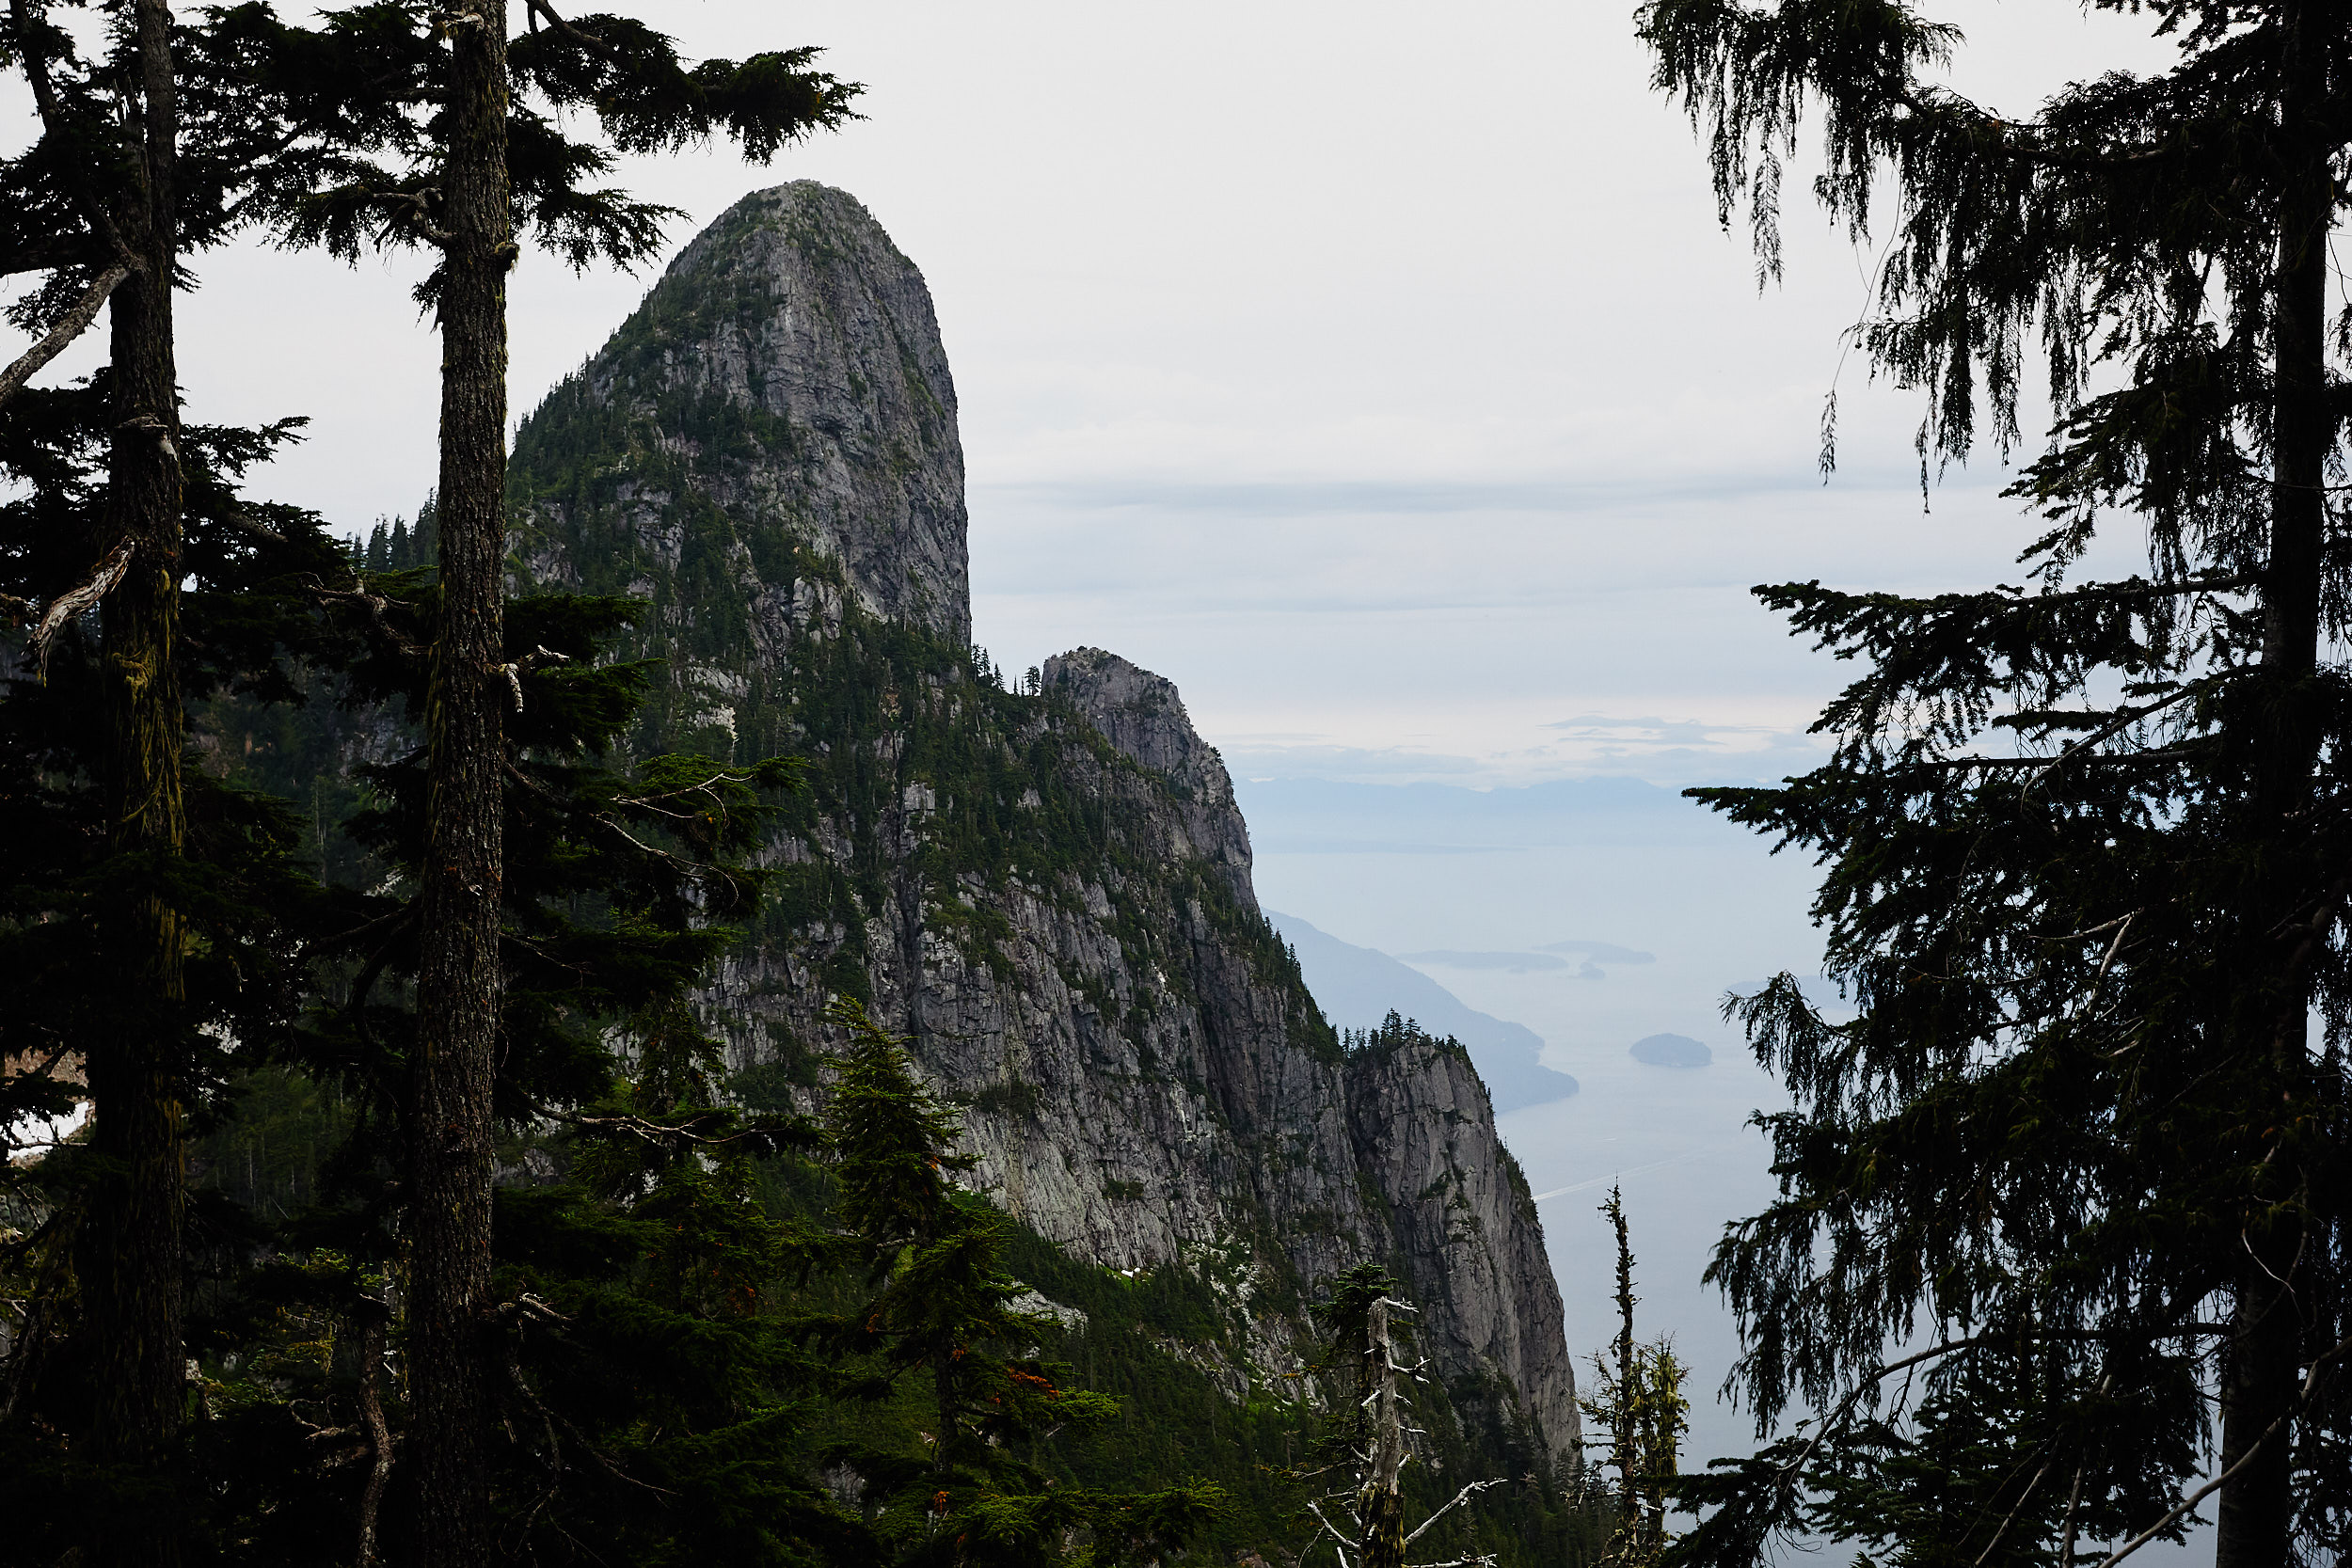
{"x":1970,"y":1477}
{"x":110,"y":137}
{"x":2083,"y":839}
{"x":943,"y":1311}
{"x":1637,"y":1400}
{"x":101,"y":207}
{"x":1367,"y":1438}
{"x":406,"y":125}
{"x":647,"y":1395}
{"x":68,"y":1475}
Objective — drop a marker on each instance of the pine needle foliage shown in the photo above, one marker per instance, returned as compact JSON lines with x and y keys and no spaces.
{"x":945,"y":1310}
{"x":355,"y":106}
{"x":103,"y":211}
{"x":250,"y":905}
{"x":1637,"y":1400}
{"x":2082,"y":839}
{"x":651,"y":1396}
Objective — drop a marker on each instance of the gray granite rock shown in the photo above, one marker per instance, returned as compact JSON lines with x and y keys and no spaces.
{"x":1141,"y":713}
{"x":1467,"y":1229}
{"x":791,"y":359}
{"x":1049,"y":896}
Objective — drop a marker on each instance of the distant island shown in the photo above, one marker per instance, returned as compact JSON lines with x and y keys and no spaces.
{"x":1677,"y":1051}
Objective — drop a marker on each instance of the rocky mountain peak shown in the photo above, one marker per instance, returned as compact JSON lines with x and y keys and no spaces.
{"x":1047,"y":893}
{"x":1142,"y":714}
{"x":1139,"y":712}
{"x":788,"y":365}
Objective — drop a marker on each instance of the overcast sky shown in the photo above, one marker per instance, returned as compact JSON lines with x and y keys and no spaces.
{"x":1376,"y":371}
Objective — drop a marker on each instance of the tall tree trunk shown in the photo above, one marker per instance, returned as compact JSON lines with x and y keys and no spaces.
{"x":131,"y":1257}
{"x":2258,"y":1385}
{"x":2260,"y":1375}
{"x":460,"y":984}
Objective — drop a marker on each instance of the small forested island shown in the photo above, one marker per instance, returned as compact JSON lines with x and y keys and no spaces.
{"x":1673,"y":1051}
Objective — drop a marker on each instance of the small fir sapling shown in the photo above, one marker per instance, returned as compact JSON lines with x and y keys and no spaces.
{"x":1637,"y":1399}
{"x":942,"y":1313}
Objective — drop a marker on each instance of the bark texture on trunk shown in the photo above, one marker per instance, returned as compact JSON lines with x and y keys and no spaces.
{"x":2254,"y":1516}
{"x":130,"y":1257}
{"x":2259,"y":1384}
{"x":460,"y":984}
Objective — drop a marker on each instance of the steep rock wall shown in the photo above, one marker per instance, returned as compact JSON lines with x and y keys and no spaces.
{"x":791,"y":359}
{"x":1140,"y":714}
{"x":1465,"y":1233}
{"x":1465,"y":1227}
{"x":1048,"y":892}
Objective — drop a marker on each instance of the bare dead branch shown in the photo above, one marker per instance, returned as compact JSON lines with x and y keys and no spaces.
{"x":523,"y":666}
{"x":356,"y":1007}
{"x":554,"y":1455}
{"x":2126,"y":718}
{"x":1459,"y":1497}
{"x":2109,"y":962}
{"x":722,"y":776}
{"x":1341,"y":1543}
{"x":73,"y":602}
{"x":2189,"y":1504}
{"x":400,"y":917}
{"x":600,"y":819}
{"x":563,"y":29}
{"x":549,"y":796}
{"x":70,"y":326}
{"x":2123,"y":759}
{"x":379,"y":1438}
{"x":2011,"y":1517}
{"x":2074,"y":1510}
{"x":415,"y":201}
{"x":375,"y":605}
{"x":652,"y":1131}
{"x":2074,"y":1497}
{"x":243,"y":524}
{"x":514,"y":1372}
{"x":1845,"y":1406}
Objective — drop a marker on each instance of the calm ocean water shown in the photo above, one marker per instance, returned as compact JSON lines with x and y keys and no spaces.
{"x":1716,"y":912}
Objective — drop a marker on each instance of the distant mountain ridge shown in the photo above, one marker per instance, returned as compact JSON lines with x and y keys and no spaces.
{"x":1305,"y":816}
{"x":1357,"y":987}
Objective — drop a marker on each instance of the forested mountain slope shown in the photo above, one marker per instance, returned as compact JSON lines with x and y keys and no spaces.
{"x":1047,"y":889}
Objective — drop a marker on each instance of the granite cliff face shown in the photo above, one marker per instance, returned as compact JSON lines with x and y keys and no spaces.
{"x":1047,"y":890}
{"x":1425,"y":1126}
{"x":792,"y":360}
{"x":1140,"y":714}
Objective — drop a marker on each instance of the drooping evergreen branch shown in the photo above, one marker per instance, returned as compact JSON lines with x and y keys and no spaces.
{"x":33,"y":57}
